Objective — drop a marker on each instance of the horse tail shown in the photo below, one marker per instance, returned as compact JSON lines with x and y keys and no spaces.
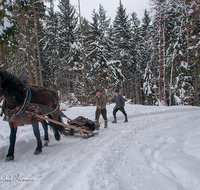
{"x":58,"y":129}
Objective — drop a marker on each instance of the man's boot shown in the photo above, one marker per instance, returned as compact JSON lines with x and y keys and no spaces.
{"x":97,"y":122}
{"x":115,"y":120}
{"x":106,"y":124}
{"x":126,"y":119}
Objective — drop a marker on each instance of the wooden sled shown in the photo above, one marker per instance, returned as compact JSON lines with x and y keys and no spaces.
{"x":85,"y":133}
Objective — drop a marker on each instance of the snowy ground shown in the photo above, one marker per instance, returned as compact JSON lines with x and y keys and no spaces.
{"x":158,"y":149}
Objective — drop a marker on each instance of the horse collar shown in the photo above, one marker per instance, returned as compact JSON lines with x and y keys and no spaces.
{"x":20,"y":108}
{"x":26,"y":102}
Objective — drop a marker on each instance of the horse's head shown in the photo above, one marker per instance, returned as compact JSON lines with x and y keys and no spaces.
{"x":3,"y":86}
{"x":11,"y":86}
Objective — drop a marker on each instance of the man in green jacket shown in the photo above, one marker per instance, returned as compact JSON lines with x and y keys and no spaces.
{"x":100,"y":101}
{"x":120,"y":103}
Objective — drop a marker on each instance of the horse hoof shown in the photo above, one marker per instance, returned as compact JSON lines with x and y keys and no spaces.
{"x":9,"y":158}
{"x":45,"y":143}
{"x":37,"y":152}
{"x":57,"y":137}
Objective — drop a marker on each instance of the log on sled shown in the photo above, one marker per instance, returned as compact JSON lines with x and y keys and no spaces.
{"x":84,"y":123}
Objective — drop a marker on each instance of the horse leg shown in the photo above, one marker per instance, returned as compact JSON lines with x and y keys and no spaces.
{"x":55,"y":127}
{"x":36,"y":131}
{"x":13,"y":132}
{"x":46,"y":137}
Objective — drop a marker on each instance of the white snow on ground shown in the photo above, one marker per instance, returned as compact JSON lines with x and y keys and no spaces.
{"x":158,"y":149}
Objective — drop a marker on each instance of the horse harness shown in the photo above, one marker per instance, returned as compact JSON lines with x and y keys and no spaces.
{"x":10,"y":114}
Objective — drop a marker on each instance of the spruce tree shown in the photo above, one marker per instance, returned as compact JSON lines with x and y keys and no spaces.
{"x":123,"y":47}
{"x":67,"y":43}
{"x":103,"y":68}
{"x":136,"y":66}
{"x":51,"y":49}
{"x":146,"y":63}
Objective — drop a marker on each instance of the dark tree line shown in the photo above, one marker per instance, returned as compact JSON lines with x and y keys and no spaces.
{"x":154,"y":60}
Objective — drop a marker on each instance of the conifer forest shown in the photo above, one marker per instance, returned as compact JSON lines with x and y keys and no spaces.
{"x":155,"y":60}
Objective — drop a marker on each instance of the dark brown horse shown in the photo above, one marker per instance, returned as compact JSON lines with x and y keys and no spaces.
{"x":16,"y":96}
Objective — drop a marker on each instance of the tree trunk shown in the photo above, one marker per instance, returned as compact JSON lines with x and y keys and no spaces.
{"x":23,"y":28}
{"x":29,"y":64}
{"x":195,"y":74}
{"x":198,"y":63}
{"x":2,"y":54}
{"x":35,"y":67}
{"x":164,"y":62}
{"x":83,"y":54}
{"x":138,"y":88}
{"x":38,"y":47}
{"x":57,"y":75}
{"x":171,"y":79}
{"x":155,"y":73}
{"x":187,"y":21}
{"x":127,"y":86}
{"x":61,"y":78}
{"x":109,"y":93}
{"x":22,"y":44}
{"x":196,"y":85}
{"x":160,"y":72}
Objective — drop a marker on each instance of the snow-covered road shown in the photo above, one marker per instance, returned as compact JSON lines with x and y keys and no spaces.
{"x":159,"y":148}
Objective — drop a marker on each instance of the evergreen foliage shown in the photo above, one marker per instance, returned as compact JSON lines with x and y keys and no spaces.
{"x":153,"y":60}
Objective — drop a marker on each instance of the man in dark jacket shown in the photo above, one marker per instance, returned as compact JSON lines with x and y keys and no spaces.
{"x":120,"y":103}
{"x":100,"y":101}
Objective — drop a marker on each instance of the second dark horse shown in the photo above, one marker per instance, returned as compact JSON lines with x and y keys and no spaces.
{"x":15,"y":95}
